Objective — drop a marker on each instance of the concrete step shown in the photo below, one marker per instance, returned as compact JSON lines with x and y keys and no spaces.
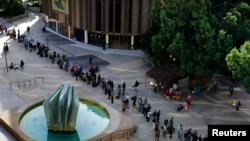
{"x":122,"y":139}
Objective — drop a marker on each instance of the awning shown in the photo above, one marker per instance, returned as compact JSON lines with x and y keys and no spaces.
{"x":166,"y":76}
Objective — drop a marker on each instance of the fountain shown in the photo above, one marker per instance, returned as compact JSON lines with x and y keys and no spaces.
{"x":61,"y":109}
{"x":64,"y":115}
{"x":60,"y":117}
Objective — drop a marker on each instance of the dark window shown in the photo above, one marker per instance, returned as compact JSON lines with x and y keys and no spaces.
{"x":111,"y":10}
{"x":98,"y":15}
{"x":117,"y":15}
{"x":130,"y":16}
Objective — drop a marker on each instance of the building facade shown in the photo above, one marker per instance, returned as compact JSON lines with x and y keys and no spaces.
{"x":110,"y":23}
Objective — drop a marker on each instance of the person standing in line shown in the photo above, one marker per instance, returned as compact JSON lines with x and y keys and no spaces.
{"x":109,"y":91}
{"x":134,"y":99}
{"x":90,"y":59}
{"x":164,"y":131}
{"x":157,"y":134}
{"x":119,"y":90}
{"x":167,"y":94}
{"x":123,"y":86}
{"x":21,"y":64}
{"x":165,"y":122}
{"x":76,"y":71}
{"x":180,"y":133}
{"x":158,"y":113}
{"x":123,"y":105}
{"x":148,"y":115}
{"x":189,"y":98}
{"x":170,"y":127}
{"x":145,"y":101}
{"x":112,"y":96}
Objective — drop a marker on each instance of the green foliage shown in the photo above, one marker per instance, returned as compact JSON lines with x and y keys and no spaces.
{"x":11,"y":7}
{"x":238,"y":62}
{"x":199,"y":33}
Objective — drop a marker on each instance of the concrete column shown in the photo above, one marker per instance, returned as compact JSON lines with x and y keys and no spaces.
{"x":107,"y":41}
{"x":86,"y":36}
{"x":47,"y":19}
{"x":56,"y":26}
{"x":132,"y":41}
{"x":69,"y":32}
{"x":135,"y":17}
{"x":145,"y":12}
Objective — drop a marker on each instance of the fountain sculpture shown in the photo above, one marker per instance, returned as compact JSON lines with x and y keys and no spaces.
{"x":61,"y":108}
{"x":64,"y":115}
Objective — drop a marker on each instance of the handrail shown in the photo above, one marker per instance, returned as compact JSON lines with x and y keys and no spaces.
{"x":126,"y":133}
{"x":25,"y":81}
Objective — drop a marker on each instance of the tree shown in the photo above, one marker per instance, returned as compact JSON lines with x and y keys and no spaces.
{"x":199,"y":33}
{"x":11,"y":6}
{"x":238,"y":62}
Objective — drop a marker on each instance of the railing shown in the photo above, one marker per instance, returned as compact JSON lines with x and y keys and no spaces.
{"x":119,"y":134}
{"x":25,"y":82}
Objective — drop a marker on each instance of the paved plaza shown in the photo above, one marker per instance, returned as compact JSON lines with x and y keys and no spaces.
{"x":117,"y":65}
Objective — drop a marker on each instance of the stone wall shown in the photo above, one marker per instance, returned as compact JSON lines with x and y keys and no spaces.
{"x":18,"y":17}
{"x":33,"y":9}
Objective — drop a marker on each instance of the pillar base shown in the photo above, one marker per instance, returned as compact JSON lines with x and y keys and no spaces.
{"x":132,"y":47}
{"x":106,"y":46}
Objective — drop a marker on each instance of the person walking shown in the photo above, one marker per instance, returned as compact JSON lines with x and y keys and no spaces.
{"x":185,"y":105}
{"x":90,"y":59}
{"x":234,"y":102}
{"x":21,"y":64}
{"x":28,"y":30}
{"x":231,"y":89}
{"x":238,"y":104}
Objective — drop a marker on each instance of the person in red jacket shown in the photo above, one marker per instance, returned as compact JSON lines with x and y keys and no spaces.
{"x":189,"y":98}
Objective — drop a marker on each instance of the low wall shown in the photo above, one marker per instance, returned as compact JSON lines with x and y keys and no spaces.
{"x":18,"y":17}
{"x":33,"y":9}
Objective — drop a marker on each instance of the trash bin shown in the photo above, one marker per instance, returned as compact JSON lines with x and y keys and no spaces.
{"x":27,"y":13}
{"x":197,"y":90}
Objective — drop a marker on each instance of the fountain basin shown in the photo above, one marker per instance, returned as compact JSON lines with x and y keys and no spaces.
{"x":10,"y":120}
{"x":92,"y":119}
